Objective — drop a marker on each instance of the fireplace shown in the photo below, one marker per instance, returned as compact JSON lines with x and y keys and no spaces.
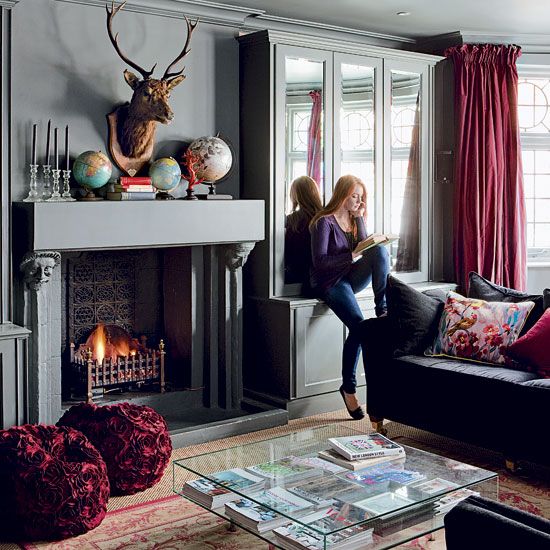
{"x":169,"y":271}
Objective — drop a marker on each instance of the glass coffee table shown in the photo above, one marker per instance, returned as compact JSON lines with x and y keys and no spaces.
{"x":281,"y":491}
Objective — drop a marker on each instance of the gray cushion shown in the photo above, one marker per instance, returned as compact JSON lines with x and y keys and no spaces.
{"x":490,"y":292}
{"x":414,"y":315}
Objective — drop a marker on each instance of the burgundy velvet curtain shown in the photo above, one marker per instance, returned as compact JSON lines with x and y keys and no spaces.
{"x":314,"y":137}
{"x":489,"y":209}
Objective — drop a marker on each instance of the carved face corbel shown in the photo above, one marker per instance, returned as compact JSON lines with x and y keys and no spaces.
{"x":38,"y":267}
{"x":237,"y":254}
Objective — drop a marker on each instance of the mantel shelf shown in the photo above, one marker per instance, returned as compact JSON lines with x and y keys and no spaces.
{"x":136,"y":224}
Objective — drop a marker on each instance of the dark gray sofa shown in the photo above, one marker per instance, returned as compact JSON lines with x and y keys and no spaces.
{"x":478,"y":523}
{"x":498,"y":408}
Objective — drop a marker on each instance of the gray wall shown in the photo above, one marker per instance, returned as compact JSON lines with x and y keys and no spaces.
{"x":65,"y":68}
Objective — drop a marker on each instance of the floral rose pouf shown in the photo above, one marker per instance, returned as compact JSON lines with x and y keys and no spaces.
{"x":53,"y":483}
{"x":132,"y":439}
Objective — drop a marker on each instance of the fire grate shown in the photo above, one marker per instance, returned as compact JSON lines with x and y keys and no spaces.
{"x":111,"y":359}
{"x":138,"y":369}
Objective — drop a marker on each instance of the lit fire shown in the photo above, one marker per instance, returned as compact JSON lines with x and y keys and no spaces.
{"x":110,"y":342}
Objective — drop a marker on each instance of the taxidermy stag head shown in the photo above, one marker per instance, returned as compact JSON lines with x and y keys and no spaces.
{"x":132,"y":126}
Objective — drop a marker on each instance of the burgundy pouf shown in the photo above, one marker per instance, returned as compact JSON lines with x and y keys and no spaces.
{"x":133,"y":440}
{"x":53,"y":483}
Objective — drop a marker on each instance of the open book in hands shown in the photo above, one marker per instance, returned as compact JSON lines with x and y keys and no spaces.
{"x":373,"y":240}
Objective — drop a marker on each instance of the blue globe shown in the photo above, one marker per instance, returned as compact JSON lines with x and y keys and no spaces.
{"x":165,"y":173}
{"x":92,"y":169}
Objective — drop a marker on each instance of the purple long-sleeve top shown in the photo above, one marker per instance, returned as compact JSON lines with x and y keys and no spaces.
{"x":331,"y":252}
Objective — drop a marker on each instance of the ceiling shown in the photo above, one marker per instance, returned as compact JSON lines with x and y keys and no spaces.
{"x":427,"y":17}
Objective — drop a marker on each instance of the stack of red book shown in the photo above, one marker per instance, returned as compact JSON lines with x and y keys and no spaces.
{"x":132,"y":189}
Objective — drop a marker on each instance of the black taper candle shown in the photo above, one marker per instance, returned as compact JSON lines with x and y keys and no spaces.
{"x":34,"y":143}
{"x":55,"y":150}
{"x":67,"y":147}
{"x":49,"y":131}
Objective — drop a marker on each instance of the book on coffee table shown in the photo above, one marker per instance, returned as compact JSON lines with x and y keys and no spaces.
{"x":320,"y":463}
{"x":364,"y":446}
{"x":297,"y":537}
{"x":433,"y":486}
{"x":336,"y":458}
{"x":262,"y":515}
{"x":285,"y":470}
{"x":384,"y":503}
{"x":212,"y":495}
{"x":207,"y":494}
{"x":322,"y":491}
{"x":380,"y":475}
{"x":445,"y":503}
{"x":340,"y":517}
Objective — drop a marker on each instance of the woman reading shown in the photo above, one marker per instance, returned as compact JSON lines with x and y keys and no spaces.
{"x":339,"y":271}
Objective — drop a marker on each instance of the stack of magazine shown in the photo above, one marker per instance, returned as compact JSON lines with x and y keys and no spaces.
{"x":285,"y":470}
{"x":323,"y":490}
{"x":398,"y":512}
{"x":444,"y":504}
{"x":384,"y":474}
{"x":331,"y":455}
{"x":361,"y":446}
{"x":213,"y":495}
{"x":254,"y":516}
{"x":340,"y":517}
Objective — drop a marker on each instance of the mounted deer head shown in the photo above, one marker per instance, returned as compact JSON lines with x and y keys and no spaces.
{"x":132,"y":126}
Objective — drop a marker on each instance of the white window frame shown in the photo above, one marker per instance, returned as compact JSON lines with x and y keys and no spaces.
{"x":535,"y":142}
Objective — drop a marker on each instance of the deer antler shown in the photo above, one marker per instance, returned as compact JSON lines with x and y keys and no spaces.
{"x":183,"y":53}
{"x":114,"y":40}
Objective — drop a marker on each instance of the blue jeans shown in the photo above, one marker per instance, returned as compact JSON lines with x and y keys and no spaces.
{"x":375,"y":266}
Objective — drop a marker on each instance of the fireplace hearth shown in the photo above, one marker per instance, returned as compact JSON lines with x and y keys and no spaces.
{"x":185,"y":288}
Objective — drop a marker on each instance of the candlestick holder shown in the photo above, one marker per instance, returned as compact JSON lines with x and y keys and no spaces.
{"x":33,"y":195}
{"x":56,"y":196}
{"x":46,"y":190}
{"x":66,"y":196}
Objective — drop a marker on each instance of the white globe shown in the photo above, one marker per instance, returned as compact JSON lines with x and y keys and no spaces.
{"x":215,"y":158}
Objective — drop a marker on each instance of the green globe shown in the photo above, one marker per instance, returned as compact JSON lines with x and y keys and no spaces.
{"x":92,"y":169}
{"x":165,"y":173}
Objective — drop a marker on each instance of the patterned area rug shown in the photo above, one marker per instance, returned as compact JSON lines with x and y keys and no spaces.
{"x":174,"y":523}
{"x":156,"y":520}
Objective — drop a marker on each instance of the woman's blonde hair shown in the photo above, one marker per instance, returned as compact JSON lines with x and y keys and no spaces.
{"x":344,"y":188}
{"x":304,"y":195}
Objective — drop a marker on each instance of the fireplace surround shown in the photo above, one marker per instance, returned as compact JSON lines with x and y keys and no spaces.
{"x":202,"y":247}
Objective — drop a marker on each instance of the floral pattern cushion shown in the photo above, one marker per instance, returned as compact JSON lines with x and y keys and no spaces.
{"x":474,"y":329}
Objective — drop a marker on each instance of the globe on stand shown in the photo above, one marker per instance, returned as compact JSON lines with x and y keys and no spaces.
{"x":165,"y":174}
{"x":215,"y":161}
{"x":92,"y":170}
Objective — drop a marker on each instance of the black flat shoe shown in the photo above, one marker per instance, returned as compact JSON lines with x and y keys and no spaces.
{"x":358,"y":413}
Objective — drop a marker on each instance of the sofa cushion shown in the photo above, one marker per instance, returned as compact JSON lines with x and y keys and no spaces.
{"x":533,"y":348}
{"x":414,"y":316}
{"x":468,"y":368}
{"x":495,"y":525}
{"x":486,"y":290}
{"x":538,"y":383}
{"x":477,"y":330}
